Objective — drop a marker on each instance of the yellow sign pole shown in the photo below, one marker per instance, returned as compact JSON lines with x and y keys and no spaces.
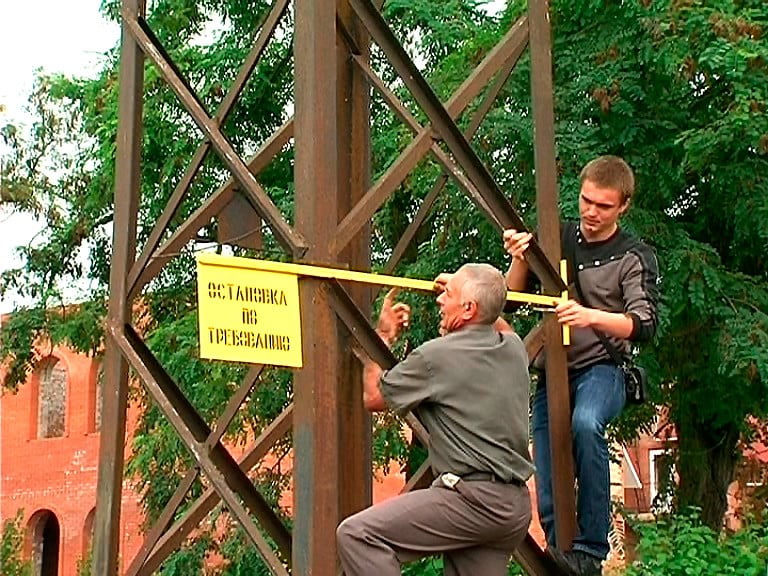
{"x":353,"y":276}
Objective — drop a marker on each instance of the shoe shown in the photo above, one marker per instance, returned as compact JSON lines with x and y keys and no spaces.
{"x":576,"y":562}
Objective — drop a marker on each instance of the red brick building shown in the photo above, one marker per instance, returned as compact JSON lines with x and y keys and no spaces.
{"x":49,"y":445}
{"x":49,"y":456}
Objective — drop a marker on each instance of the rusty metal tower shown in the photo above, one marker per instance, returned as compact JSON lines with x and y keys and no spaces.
{"x":334,"y":202}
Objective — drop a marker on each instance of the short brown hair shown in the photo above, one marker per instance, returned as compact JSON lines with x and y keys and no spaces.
{"x":610,"y":172}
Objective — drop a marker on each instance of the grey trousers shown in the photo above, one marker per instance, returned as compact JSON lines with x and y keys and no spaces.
{"x":475,"y":525}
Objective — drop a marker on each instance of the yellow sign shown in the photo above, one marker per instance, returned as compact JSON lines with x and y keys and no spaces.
{"x":247,"y":315}
{"x":249,"y":309}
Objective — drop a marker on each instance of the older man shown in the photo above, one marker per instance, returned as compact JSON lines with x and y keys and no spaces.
{"x":470,"y":388}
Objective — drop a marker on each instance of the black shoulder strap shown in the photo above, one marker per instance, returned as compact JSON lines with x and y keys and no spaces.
{"x":610,"y":348}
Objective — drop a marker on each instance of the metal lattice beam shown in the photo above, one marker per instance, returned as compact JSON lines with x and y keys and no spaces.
{"x":334,"y":204}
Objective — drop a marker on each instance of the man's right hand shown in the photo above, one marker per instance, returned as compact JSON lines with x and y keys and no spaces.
{"x":393,"y":318}
{"x":516,"y":243}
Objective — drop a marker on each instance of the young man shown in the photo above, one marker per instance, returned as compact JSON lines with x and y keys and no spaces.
{"x":470,"y":388}
{"x":618,"y":275}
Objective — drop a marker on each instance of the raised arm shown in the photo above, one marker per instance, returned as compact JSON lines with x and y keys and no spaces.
{"x":515,"y":244}
{"x":393,"y":318}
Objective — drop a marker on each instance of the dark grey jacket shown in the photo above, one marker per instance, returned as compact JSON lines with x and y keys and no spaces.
{"x":619,"y":274}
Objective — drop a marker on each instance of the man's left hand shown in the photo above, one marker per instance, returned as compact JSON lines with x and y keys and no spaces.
{"x":573,"y":314}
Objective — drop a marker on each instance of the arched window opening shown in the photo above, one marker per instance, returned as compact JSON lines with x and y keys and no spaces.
{"x":52,"y":400}
{"x":88,"y":537}
{"x":46,"y":537}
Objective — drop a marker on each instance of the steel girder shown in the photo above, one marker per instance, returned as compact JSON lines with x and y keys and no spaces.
{"x":335,"y":201}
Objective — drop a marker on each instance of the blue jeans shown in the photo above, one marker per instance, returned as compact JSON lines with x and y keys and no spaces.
{"x":598,"y":396}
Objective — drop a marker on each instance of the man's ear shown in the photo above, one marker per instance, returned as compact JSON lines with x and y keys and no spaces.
{"x":470,"y":309}
{"x":623,"y":210}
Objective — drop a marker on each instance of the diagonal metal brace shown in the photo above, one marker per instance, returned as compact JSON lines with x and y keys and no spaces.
{"x":191,"y":519}
{"x":160,"y":227}
{"x":447,"y":130}
{"x":289,"y":238}
{"x":222,"y":470}
{"x":357,"y":324}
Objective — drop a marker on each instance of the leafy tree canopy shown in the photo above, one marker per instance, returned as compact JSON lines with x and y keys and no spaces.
{"x":677,"y":87}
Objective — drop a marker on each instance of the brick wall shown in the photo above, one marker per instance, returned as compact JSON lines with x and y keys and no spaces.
{"x":57,"y":476}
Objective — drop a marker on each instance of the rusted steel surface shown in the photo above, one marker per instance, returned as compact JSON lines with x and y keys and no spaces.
{"x":334,"y":204}
{"x":414,"y":152}
{"x":559,"y":409}
{"x":246,"y":70}
{"x":450,"y":134}
{"x":354,"y":160}
{"x":291,"y":241}
{"x":173,"y":246}
{"x":475,"y":121}
{"x":235,"y":403}
{"x":421,"y":478}
{"x":138,"y":567}
{"x":449,"y":166}
{"x":374,"y":347}
{"x":106,"y":548}
{"x":316,"y":386}
{"x":535,"y":339}
{"x":183,"y":527}
{"x":359,"y":326}
{"x":558,"y":395}
{"x":221,"y":470}
{"x":238,"y":224}
{"x":534,"y":561}
{"x":151,"y":261}
{"x":169,"y":511}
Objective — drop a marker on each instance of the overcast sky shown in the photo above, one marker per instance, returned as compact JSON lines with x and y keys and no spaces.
{"x":66,"y":36}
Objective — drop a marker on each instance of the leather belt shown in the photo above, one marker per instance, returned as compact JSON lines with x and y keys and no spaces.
{"x":489,"y":477}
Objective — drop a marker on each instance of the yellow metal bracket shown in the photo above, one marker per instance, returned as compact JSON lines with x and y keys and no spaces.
{"x":564,"y":295}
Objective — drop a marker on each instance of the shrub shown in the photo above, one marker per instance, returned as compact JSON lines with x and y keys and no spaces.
{"x":11,"y":543}
{"x":433,"y":566}
{"x":682,"y":545}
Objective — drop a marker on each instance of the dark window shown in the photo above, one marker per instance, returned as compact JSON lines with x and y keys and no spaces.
{"x":45,"y":552}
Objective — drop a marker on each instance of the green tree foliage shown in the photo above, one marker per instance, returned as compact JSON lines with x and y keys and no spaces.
{"x":677,"y":87}
{"x":684,"y":546}
{"x":85,"y":563}
{"x":12,"y":546}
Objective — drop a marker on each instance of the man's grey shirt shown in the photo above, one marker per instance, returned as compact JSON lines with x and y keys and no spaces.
{"x":470,"y":388}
